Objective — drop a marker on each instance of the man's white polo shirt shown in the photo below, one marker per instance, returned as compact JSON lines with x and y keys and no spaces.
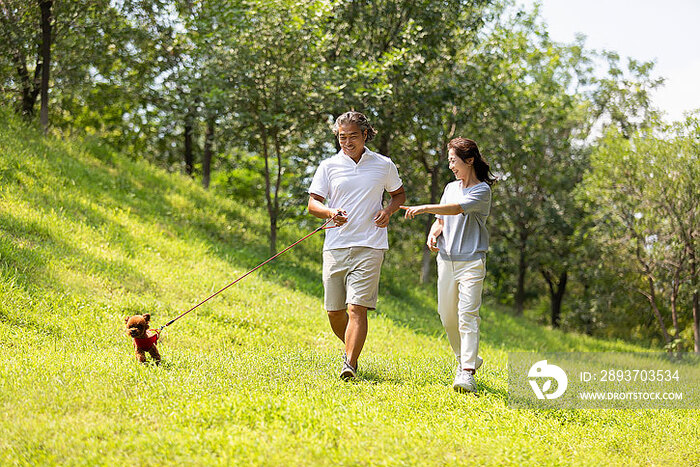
{"x":358,"y":189}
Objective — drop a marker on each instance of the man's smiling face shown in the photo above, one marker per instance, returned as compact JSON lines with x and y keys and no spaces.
{"x":351,"y":140}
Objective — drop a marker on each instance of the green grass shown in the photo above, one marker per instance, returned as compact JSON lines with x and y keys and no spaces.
{"x":88,"y":236}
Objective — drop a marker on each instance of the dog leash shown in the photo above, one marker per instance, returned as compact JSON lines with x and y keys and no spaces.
{"x":322,"y":227}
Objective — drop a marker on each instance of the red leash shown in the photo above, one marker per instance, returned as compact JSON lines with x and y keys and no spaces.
{"x":323,"y":227}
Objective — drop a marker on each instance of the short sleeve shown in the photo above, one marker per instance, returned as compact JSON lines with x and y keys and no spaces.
{"x":319,"y":184}
{"x":477,"y":200}
{"x":393,"y":181}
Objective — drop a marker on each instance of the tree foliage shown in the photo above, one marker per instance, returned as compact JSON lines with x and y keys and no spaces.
{"x":595,"y":211}
{"x":643,"y":191}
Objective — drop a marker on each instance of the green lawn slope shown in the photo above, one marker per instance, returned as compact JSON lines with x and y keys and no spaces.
{"x":88,"y":236}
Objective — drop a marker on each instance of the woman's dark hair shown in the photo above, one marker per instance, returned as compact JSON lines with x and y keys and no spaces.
{"x":467,"y":149}
{"x":358,"y":119}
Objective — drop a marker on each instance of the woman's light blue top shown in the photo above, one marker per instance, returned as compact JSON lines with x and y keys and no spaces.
{"x":464,"y":236}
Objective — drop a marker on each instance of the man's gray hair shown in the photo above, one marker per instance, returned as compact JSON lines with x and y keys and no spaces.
{"x":358,"y":119}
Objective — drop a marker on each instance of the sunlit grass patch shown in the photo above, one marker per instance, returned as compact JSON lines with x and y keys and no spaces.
{"x":250,"y":377}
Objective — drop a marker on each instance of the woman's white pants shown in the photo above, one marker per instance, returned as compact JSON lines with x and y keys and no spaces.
{"x":460,"y":284}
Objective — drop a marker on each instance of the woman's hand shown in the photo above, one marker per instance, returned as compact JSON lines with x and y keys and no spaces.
{"x":411,"y":211}
{"x":432,"y":243}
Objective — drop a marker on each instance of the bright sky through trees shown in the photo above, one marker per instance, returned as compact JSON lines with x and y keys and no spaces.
{"x":666,"y":32}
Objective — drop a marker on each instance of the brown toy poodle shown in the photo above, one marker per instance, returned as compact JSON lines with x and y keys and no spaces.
{"x":144,"y":339}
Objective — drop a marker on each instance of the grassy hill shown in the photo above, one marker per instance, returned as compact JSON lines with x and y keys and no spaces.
{"x":88,"y":236}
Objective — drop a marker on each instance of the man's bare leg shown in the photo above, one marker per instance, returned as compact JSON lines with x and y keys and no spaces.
{"x":355,"y":333}
{"x":339,"y":322}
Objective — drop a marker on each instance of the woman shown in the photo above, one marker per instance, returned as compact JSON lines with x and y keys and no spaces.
{"x":460,"y":237}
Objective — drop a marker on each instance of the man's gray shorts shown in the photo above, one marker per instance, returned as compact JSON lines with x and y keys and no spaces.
{"x":351,"y":276}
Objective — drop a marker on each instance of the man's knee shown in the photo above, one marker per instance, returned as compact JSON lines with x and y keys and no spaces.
{"x":357,"y":310}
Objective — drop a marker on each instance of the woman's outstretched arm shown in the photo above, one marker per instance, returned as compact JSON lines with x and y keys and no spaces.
{"x":443,"y":209}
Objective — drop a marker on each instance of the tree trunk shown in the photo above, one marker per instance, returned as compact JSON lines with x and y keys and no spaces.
{"x":275,"y":199}
{"x":208,"y":152}
{"x":696,"y":323}
{"x":383,"y":144}
{"x":522,"y":268}
{"x":556,"y":295}
{"x":586,"y":300}
{"x":426,"y":260}
{"x":685,"y":231}
{"x":189,"y":152}
{"x":434,"y":171}
{"x":427,"y":256}
{"x":696,"y":312}
{"x":271,"y":211}
{"x":651,"y":296}
{"x":29,"y":88}
{"x":273,"y":235}
{"x":384,"y":137}
{"x":675,"y":285}
{"x":46,"y":19}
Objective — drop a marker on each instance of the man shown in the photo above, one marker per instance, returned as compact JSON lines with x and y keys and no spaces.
{"x":353,"y":184}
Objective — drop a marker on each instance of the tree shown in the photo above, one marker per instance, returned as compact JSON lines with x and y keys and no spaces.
{"x":406,"y":65}
{"x":46,"y":39}
{"x":76,"y":55}
{"x":643,"y":188}
{"x":268,"y":52}
{"x":622,"y":98}
{"x":537,"y":121}
{"x":18,"y":21}
{"x":675,"y":168}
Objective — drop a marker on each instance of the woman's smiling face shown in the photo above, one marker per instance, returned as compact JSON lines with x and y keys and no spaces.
{"x":457,"y":165}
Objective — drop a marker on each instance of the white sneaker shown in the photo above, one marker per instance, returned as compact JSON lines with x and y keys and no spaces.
{"x":464,"y":382}
{"x":347,"y":372}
